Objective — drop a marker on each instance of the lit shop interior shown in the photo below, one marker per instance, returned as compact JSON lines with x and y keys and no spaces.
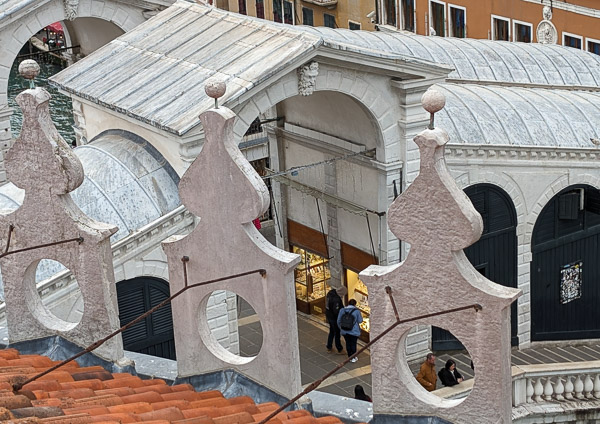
{"x":312,"y":275}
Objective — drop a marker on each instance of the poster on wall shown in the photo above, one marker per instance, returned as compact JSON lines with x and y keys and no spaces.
{"x":571,"y":278}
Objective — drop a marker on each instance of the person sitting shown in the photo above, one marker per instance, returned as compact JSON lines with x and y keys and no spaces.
{"x":449,"y":375}
{"x":359,"y":393}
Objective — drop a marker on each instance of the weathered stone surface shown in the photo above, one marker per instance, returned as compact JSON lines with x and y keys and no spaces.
{"x":222,"y":189}
{"x":438,"y":220}
{"x":41,"y":163}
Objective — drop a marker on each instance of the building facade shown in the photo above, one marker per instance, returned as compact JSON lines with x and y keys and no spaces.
{"x":343,"y":108}
{"x":351,"y":14}
{"x":573,"y":23}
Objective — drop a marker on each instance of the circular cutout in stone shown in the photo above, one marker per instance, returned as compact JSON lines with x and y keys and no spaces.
{"x":454,"y":375}
{"x":230,"y":327}
{"x":53,"y":295}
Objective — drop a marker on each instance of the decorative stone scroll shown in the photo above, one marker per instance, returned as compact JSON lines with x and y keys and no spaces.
{"x":223,"y":189}
{"x":439,"y":221}
{"x":307,"y":77}
{"x":71,"y":7}
{"x":546,"y":31}
{"x":41,"y":163}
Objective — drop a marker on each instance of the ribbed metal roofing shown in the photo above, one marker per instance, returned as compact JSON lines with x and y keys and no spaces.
{"x":483,"y":60}
{"x":479,"y":114}
{"x":127,"y":183}
{"x":156,"y":72}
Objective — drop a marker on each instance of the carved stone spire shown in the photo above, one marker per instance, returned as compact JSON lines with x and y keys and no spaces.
{"x":438,"y":220}
{"x":225,"y":192}
{"x":41,"y":163}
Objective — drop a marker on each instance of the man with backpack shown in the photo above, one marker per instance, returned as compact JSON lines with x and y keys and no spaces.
{"x":348,"y":320}
{"x":332,"y":309}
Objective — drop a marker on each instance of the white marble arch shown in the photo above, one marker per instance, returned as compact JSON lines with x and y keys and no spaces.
{"x":16,"y":32}
{"x":369,"y":90}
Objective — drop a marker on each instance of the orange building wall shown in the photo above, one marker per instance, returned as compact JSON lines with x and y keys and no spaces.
{"x":344,"y":11}
{"x":479,"y":16}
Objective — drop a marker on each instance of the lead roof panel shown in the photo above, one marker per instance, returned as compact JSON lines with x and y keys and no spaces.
{"x":156,"y":74}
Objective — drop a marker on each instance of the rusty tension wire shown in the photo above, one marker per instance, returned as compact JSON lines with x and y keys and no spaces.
{"x":185,"y":260}
{"x":11,"y":228}
{"x":312,"y":386}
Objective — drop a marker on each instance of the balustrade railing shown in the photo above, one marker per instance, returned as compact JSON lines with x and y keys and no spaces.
{"x":556,"y":382}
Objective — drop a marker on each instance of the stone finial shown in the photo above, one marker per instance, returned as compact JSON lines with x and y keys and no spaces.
{"x":438,"y":220}
{"x":29,"y":69}
{"x":433,"y":101}
{"x":215,"y":88}
{"x":41,"y":163}
{"x":223,"y":189}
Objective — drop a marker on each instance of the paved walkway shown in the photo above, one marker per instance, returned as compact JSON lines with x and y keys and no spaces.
{"x":315,"y":361}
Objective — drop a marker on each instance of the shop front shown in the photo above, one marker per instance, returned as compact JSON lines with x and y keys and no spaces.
{"x":312,"y":274}
{"x":354,"y":261}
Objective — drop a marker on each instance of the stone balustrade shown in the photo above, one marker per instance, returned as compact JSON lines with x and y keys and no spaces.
{"x":177,"y":221}
{"x":568,"y":381}
{"x":556,"y":382}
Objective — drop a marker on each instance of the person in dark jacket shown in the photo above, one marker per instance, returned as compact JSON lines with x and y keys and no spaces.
{"x":449,"y":375}
{"x":351,"y":335}
{"x":359,"y":393}
{"x":332,"y":308}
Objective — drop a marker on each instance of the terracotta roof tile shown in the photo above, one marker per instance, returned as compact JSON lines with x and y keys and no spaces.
{"x":239,"y":418}
{"x":81,"y":395}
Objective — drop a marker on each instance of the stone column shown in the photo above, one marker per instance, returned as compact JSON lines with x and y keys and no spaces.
{"x":279,"y":198}
{"x":333,"y":238}
{"x":5,"y":139}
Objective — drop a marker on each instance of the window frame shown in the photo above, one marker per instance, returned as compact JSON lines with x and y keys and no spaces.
{"x":449,"y":17}
{"x":593,"y":40}
{"x":332,"y":16}
{"x":355,"y":23}
{"x":500,"y":18}
{"x":568,"y":34}
{"x":256,"y":3}
{"x":384,"y":14}
{"x":413,"y":18}
{"x":245,"y":11}
{"x":445,"y":23}
{"x":516,"y":22}
{"x":312,"y":16}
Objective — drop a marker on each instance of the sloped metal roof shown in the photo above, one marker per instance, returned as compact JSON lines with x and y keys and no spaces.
{"x":156,"y":72}
{"x":127,"y":183}
{"x":479,"y":114}
{"x":482,"y":60}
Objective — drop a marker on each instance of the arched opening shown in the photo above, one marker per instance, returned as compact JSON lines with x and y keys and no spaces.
{"x":329,"y":201}
{"x":154,"y":334}
{"x":55,"y":47}
{"x":565,"y":271}
{"x":494,"y":255}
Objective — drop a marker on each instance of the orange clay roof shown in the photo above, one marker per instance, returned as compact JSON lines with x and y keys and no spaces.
{"x":80,"y":395}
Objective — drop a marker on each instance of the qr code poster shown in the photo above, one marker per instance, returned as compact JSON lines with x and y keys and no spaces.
{"x":571,"y":278}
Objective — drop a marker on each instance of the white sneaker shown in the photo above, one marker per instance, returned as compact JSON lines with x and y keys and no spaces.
{"x":354,"y":359}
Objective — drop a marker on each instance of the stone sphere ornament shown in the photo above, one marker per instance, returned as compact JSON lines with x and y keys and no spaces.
{"x":29,"y":69}
{"x":433,"y":101}
{"x":215,"y":88}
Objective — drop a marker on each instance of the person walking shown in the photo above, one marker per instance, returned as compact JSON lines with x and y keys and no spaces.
{"x":449,"y":375}
{"x":333,"y":306}
{"x":427,"y":376}
{"x":348,"y":320}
